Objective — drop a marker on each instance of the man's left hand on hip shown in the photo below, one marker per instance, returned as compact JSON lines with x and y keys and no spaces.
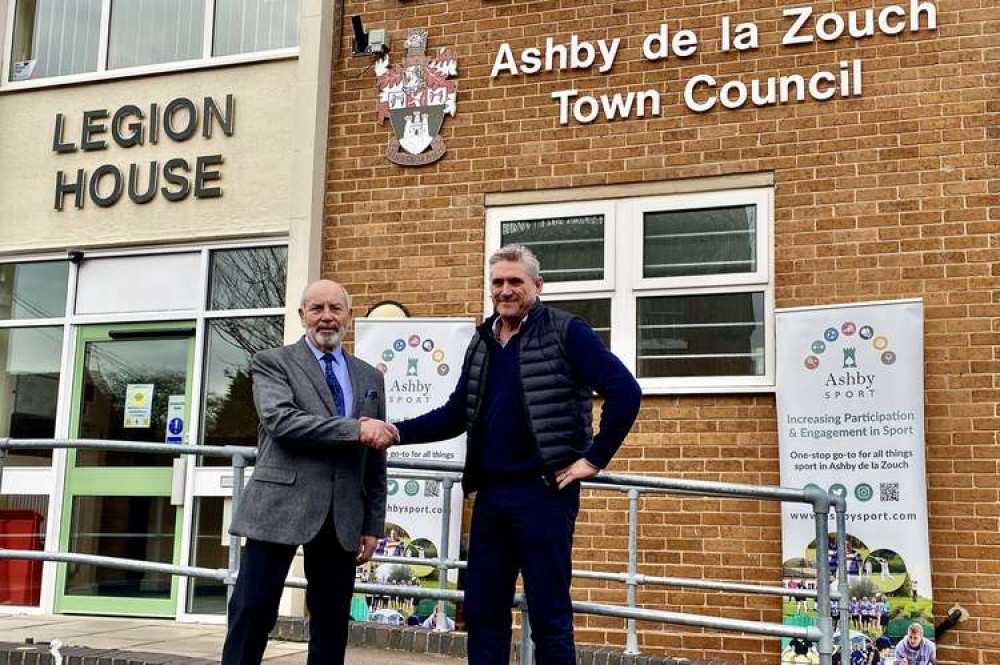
{"x":578,"y":470}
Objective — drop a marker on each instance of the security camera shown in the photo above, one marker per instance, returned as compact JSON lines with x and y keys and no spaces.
{"x":75,"y":255}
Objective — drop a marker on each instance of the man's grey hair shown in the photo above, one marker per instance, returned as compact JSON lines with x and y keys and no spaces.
{"x":302,"y":298}
{"x":518,"y":254}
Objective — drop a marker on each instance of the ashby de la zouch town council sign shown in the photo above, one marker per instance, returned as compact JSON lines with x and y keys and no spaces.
{"x":416,"y":96}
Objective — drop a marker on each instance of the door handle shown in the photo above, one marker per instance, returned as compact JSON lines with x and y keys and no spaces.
{"x":178,"y":482}
{"x":151,"y":334}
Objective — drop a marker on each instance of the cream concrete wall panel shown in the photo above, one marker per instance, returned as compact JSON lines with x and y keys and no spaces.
{"x":256,"y":179}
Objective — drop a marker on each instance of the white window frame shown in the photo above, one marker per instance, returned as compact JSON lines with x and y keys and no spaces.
{"x":199,"y":481}
{"x":207,"y":60}
{"x":624,"y":283}
{"x":497,"y":216}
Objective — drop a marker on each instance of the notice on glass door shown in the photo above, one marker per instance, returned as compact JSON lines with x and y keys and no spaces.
{"x":138,"y":405}
{"x":175,"y":419}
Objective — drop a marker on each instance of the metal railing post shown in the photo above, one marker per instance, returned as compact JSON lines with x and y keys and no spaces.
{"x":239,"y":467}
{"x":631,"y":636}
{"x":843,"y":586}
{"x":441,"y":615}
{"x":821,"y":512}
{"x":527,"y":646}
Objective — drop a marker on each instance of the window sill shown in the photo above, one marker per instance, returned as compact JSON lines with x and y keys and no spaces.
{"x":7,"y":86}
{"x":659,"y":387}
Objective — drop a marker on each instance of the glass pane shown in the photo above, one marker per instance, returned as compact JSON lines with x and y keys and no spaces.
{"x":699,"y":242}
{"x":29,"y":389}
{"x":131,"y":527}
{"x":33,"y":290}
{"x":148,"y":32}
{"x":595,"y":312}
{"x":208,"y":596}
{"x":245,"y":26}
{"x":230,"y":417}
{"x":252,"y":278}
{"x":119,"y":372}
{"x":569,"y":248}
{"x":22,"y":527}
{"x":701,"y":335}
{"x":54,"y":38}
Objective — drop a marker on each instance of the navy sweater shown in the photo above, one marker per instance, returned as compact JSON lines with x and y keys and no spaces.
{"x":503,"y":442}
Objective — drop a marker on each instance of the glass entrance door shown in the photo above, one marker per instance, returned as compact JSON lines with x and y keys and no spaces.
{"x":131,"y":383}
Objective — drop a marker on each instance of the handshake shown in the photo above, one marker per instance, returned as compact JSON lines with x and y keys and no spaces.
{"x":378,"y":434}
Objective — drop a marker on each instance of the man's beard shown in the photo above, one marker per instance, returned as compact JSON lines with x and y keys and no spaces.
{"x":327,"y":338}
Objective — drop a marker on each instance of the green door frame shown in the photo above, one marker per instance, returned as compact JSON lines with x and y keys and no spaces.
{"x":117,"y":481}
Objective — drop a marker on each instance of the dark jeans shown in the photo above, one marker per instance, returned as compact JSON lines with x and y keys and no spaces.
{"x":253,"y":609}
{"x":523,"y":526}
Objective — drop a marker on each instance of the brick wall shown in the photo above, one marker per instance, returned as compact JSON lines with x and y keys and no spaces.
{"x":892,"y":194}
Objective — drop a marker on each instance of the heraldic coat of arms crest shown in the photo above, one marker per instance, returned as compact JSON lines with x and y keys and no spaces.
{"x":416,"y":96}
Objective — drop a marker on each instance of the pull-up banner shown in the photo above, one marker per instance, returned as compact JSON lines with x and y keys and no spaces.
{"x":421,"y":360}
{"x":850,"y":402}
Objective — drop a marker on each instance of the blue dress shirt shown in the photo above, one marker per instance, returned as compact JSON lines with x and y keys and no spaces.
{"x":339,"y":370}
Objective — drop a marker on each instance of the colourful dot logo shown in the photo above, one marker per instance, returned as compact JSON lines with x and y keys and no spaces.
{"x":411,"y":347}
{"x":852,"y":355}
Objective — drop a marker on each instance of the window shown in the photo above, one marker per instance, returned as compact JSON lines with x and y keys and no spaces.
{"x":245,"y":26}
{"x":54,"y":38}
{"x":209,"y":549}
{"x":77,"y":40}
{"x":33,"y":290}
{"x":32,"y":310}
{"x":680,"y":287}
{"x":148,"y":33}
{"x":246,"y":294}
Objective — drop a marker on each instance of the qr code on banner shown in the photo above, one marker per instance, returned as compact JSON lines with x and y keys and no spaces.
{"x":888,"y":491}
{"x":432,"y":488}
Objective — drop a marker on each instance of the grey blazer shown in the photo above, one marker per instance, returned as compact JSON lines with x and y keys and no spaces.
{"x":309,"y":458}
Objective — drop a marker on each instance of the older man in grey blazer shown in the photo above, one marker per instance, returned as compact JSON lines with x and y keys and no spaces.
{"x":317,"y":482}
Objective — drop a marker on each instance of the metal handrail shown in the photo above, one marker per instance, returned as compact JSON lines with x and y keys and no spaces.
{"x":448,"y":473}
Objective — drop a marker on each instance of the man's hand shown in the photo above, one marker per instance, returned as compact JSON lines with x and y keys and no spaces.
{"x":378,"y":434}
{"x":366,"y":548}
{"x":578,"y":470}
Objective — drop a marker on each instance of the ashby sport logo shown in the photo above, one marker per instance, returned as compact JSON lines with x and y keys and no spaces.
{"x":409,"y":357}
{"x":842,"y":357}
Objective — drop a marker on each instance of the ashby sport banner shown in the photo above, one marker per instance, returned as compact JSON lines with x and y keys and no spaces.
{"x":850,"y":398}
{"x":421,"y":360}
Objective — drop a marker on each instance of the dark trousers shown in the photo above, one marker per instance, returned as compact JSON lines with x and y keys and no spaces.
{"x":253,"y":609}
{"x":523,"y":526}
